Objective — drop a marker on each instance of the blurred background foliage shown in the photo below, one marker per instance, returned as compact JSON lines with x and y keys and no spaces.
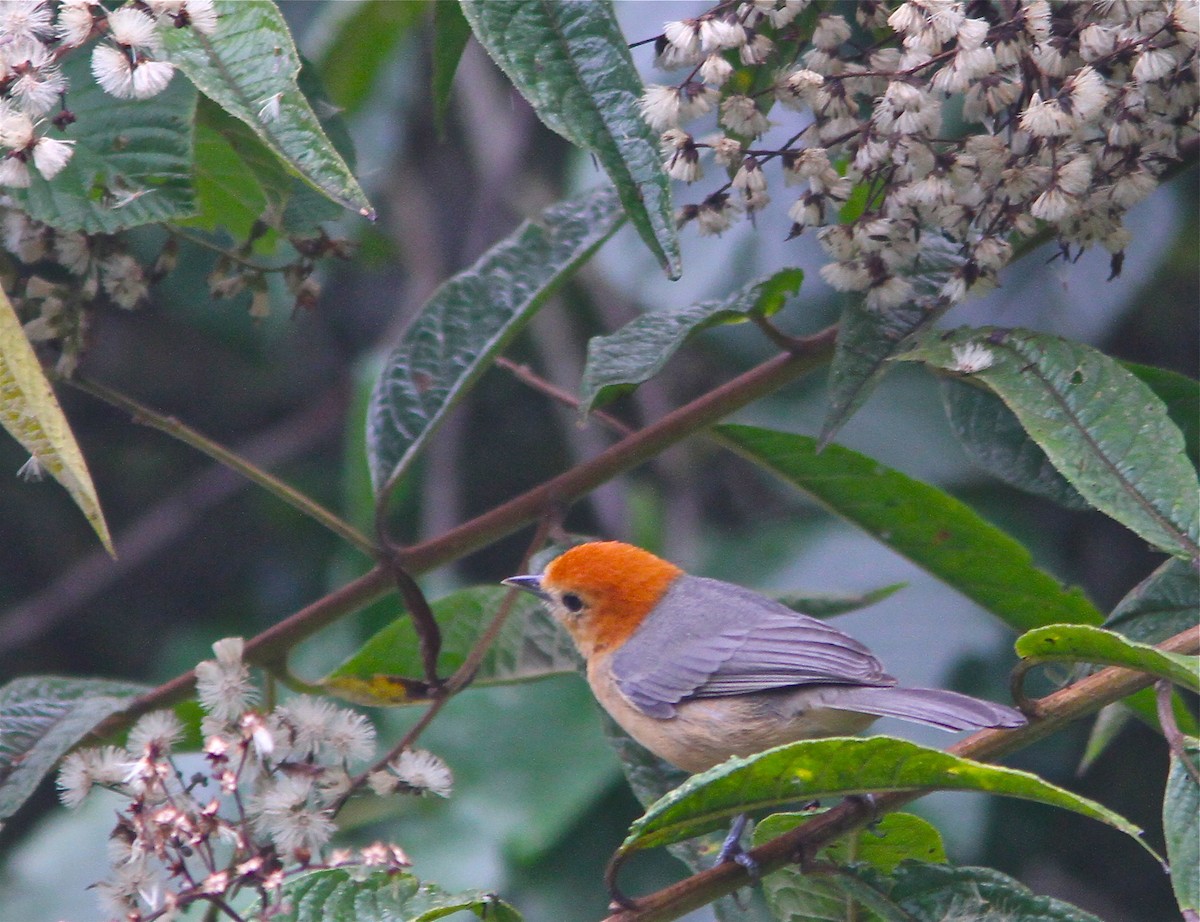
{"x":540,"y":802}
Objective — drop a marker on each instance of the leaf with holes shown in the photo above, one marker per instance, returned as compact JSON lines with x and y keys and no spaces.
{"x":249,"y":67}
{"x":31,"y":414}
{"x":571,"y":62}
{"x":1104,"y":430}
{"x":470,"y":319}
{"x":41,"y":719}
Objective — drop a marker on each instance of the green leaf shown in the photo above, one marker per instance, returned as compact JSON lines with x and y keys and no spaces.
{"x":919,"y":891}
{"x":41,"y":719}
{"x":866,"y":340}
{"x":1160,"y":606}
{"x":638,"y":351}
{"x":1181,"y":395}
{"x":132,"y":163}
{"x":450,"y":33}
{"x":1104,"y":430}
{"x":993,"y":437}
{"x":571,"y":62}
{"x":529,"y":646}
{"x":839,"y":766}
{"x":364,"y":894}
{"x":795,"y":895}
{"x":250,"y":69}
{"x":361,"y":45}
{"x":931,"y":528}
{"x":31,"y":414}
{"x":1181,"y":806}
{"x":1084,"y":643}
{"x":470,"y":319}
{"x":828,"y":605}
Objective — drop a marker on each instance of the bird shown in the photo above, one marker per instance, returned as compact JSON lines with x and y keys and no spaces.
{"x":697,"y":670}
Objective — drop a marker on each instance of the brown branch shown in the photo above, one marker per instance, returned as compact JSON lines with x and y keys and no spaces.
{"x":1056,"y":710}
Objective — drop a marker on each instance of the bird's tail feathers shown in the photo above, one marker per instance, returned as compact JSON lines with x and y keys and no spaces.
{"x":934,"y":706}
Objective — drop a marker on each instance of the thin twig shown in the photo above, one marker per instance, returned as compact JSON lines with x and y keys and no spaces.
{"x":529,"y":376}
{"x":1164,"y":697}
{"x":173,"y":427}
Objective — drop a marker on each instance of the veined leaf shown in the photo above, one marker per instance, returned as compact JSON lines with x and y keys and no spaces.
{"x":365,"y":894}
{"x":1084,"y":643}
{"x":529,"y":646}
{"x":571,"y":62}
{"x":250,"y":69}
{"x":31,"y":414}
{"x":1181,"y":804}
{"x":1181,"y":396}
{"x":1160,"y":606}
{"x":132,"y":163}
{"x":1104,"y":430}
{"x":837,"y":766}
{"x":41,"y":719}
{"x":351,"y":65}
{"x":638,"y":351}
{"x":929,"y":527}
{"x":993,"y":437}
{"x":470,"y":319}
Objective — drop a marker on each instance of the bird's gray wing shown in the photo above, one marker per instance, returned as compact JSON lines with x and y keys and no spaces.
{"x":708,"y":638}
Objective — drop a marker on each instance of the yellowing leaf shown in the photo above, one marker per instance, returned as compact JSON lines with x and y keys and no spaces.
{"x":30,"y":411}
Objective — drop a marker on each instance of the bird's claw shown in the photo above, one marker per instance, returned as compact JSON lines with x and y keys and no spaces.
{"x":732,"y":850}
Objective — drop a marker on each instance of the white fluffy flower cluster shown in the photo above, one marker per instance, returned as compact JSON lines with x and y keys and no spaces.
{"x":959,"y":125}
{"x":36,"y":34}
{"x":262,"y":810}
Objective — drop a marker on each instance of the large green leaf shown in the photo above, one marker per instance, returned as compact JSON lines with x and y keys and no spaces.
{"x":1105,"y":431}
{"x":361,"y":45}
{"x":796,"y":896}
{"x":450,"y":34}
{"x":31,"y":414}
{"x":994,"y":438}
{"x":809,"y":769}
{"x":921,"y":892}
{"x":929,"y":527}
{"x":571,"y":62}
{"x":529,"y":646}
{"x":365,"y":894}
{"x":639,"y":350}
{"x":250,"y":69}
{"x":1181,"y":395}
{"x":470,"y":319}
{"x":1181,"y":806}
{"x":1088,"y":644}
{"x":132,"y":163}
{"x":1160,"y":606}
{"x":41,"y":718}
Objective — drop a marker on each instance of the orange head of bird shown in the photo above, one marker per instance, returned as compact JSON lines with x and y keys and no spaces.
{"x":601,"y":591}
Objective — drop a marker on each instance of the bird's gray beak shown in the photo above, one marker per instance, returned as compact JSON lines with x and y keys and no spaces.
{"x":529,"y":584}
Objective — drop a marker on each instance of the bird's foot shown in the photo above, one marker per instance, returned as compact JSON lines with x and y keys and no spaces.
{"x":732,"y":850}
{"x":871,"y":807}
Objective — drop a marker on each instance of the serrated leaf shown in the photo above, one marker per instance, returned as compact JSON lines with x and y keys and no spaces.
{"x":638,"y":351}
{"x":931,"y":528}
{"x":994,"y":439}
{"x":470,"y":319}
{"x":867,"y":339}
{"x":364,"y":894}
{"x":919,"y":891}
{"x":249,"y":67}
{"x":450,"y":33}
{"x":529,"y":646}
{"x":1181,"y":806}
{"x":828,"y":605}
{"x":41,"y":719}
{"x":1085,"y":643}
{"x":1160,"y":606}
{"x":1181,"y":395}
{"x":31,"y":414}
{"x":795,"y":896}
{"x":361,"y":45}
{"x":571,"y":62}
{"x":132,"y":163}
{"x":809,"y":769}
{"x":1103,"y":429}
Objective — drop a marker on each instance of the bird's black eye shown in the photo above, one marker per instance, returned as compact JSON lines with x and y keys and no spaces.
{"x":572,"y":603}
